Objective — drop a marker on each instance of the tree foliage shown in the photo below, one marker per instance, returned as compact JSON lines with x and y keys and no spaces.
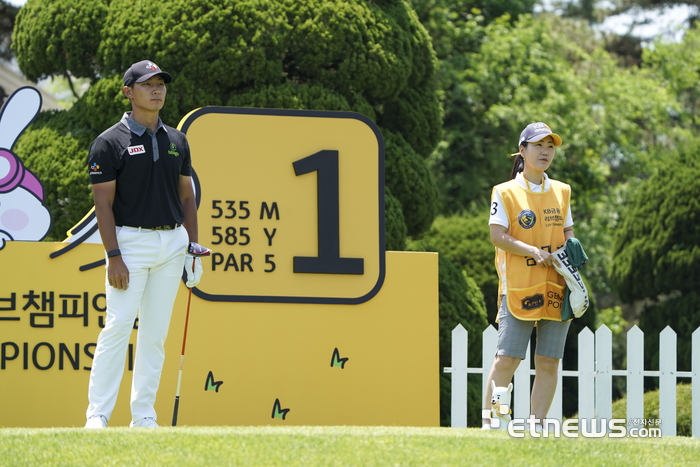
{"x":8,"y":13}
{"x":497,"y":77}
{"x":54,"y":37}
{"x":411,"y":181}
{"x":657,"y":246}
{"x":394,"y":223}
{"x":522,"y":73}
{"x":444,"y":18}
{"x":676,"y":66}
{"x":371,"y":57}
{"x":461,"y":302}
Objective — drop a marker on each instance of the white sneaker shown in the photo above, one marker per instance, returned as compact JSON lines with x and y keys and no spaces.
{"x":147,"y":422}
{"x":96,"y":421}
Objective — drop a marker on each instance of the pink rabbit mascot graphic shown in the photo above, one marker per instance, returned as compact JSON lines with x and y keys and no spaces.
{"x":23,"y":215}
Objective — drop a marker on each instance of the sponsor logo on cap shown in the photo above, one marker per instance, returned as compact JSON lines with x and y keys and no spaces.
{"x":151,"y":66}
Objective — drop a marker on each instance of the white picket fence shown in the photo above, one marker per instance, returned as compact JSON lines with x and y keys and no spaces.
{"x":594,"y":375}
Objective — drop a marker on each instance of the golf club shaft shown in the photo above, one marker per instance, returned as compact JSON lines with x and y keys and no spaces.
{"x":182,"y":355}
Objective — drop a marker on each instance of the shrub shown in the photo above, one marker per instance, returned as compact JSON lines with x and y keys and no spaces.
{"x":461,"y":302}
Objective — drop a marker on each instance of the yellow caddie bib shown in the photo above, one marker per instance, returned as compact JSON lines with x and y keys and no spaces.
{"x":534,"y":292}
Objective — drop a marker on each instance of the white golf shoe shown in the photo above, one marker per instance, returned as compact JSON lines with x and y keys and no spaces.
{"x":96,"y":422}
{"x":147,"y":422}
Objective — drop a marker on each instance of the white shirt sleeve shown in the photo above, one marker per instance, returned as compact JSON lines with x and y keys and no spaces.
{"x":498,"y":214}
{"x":569,"y":220}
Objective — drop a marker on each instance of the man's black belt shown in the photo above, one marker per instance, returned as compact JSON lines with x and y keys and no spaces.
{"x":159,"y":227}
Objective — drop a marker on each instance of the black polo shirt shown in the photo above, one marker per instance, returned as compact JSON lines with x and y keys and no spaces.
{"x":147,"y":175}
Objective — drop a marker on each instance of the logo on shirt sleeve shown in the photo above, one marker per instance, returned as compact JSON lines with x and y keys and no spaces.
{"x":134,"y":150}
{"x":94,"y":169}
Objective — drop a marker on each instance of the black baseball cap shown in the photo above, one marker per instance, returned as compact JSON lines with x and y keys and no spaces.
{"x":143,"y":71}
{"x":535,"y":132}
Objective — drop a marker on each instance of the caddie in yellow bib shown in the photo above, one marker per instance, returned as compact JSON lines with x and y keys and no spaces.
{"x":530,"y":218}
{"x":533,"y":292}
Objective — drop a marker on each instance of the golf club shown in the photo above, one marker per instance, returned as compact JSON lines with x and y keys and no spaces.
{"x":197,"y":251}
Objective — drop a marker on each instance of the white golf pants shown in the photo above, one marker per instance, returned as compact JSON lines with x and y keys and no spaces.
{"x":155,"y":259}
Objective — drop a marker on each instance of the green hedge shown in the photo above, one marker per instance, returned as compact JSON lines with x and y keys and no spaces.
{"x":657,"y":246}
{"x":461,"y":302}
{"x":684,"y":408}
{"x":411,"y":182}
{"x":395,"y":226}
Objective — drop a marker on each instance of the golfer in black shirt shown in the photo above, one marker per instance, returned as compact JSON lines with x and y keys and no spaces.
{"x":140,"y":172}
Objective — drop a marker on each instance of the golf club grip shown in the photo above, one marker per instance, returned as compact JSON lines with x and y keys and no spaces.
{"x":177,"y":405}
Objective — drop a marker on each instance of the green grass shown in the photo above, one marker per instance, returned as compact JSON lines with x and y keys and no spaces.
{"x":320,"y":446}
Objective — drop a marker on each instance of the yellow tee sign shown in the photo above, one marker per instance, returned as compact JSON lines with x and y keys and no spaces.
{"x":299,"y":217}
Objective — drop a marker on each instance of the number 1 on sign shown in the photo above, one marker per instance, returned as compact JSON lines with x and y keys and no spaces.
{"x":328,"y":260}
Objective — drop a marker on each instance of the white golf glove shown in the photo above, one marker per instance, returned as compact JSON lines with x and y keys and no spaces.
{"x":193,"y":277}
